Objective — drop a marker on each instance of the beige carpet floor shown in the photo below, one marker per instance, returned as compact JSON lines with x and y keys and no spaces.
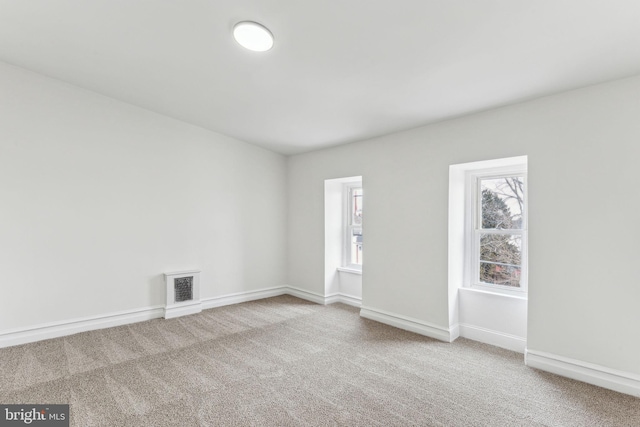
{"x":287,"y":362}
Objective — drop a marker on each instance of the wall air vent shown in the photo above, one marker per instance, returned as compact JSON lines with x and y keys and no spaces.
{"x":183,"y":289}
{"x":183,"y":293}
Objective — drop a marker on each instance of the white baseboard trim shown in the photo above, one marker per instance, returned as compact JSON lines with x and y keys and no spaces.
{"x":323,"y":299}
{"x":407,"y":323}
{"x":454,"y":332}
{"x":239,"y":297}
{"x":344,"y":298}
{"x":178,"y":310}
{"x":492,"y":337}
{"x":74,"y":326}
{"x":307,"y":295}
{"x":620,"y":381}
{"x":46,"y":331}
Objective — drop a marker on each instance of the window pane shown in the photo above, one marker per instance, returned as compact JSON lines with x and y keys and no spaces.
{"x":502,"y":202}
{"x":356,"y":246}
{"x":356,"y":206}
{"x":500,"y":259}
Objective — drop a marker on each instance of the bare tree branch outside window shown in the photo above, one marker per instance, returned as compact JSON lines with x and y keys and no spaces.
{"x":501,"y":209}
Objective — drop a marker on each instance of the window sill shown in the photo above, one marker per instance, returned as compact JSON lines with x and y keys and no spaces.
{"x":496,"y":293}
{"x":349,"y":270}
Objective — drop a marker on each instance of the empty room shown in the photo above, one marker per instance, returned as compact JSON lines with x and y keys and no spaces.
{"x":289,"y":213}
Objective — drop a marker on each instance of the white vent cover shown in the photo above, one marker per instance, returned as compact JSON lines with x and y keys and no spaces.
{"x":183,"y":293}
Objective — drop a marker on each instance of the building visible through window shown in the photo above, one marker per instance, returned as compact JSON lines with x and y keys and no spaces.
{"x":354,"y":226}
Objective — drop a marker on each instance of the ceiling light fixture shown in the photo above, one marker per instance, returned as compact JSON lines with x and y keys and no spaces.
{"x":253,"y":36}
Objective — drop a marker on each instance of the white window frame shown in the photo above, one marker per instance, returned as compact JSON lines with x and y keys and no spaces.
{"x":473,"y":230}
{"x":349,"y":226}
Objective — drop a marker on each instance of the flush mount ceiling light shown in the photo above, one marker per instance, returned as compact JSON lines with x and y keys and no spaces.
{"x":253,"y":36}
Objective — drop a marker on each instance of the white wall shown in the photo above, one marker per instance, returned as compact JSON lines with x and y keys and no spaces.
{"x":333,"y":235}
{"x":495,"y":319}
{"x":98,"y":198}
{"x":583,"y":151}
{"x":90,"y":219}
{"x":350,"y":285}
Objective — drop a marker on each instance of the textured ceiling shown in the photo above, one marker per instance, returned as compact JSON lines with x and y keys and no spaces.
{"x":340,"y":71}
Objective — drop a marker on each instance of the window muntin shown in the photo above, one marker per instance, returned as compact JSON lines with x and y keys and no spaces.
{"x":354,"y":227}
{"x":499,"y":232}
{"x":500,"y":259}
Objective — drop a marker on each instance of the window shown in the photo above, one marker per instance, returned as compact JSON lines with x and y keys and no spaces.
{"x":497,"y":230}
{"x":353,"y":226}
